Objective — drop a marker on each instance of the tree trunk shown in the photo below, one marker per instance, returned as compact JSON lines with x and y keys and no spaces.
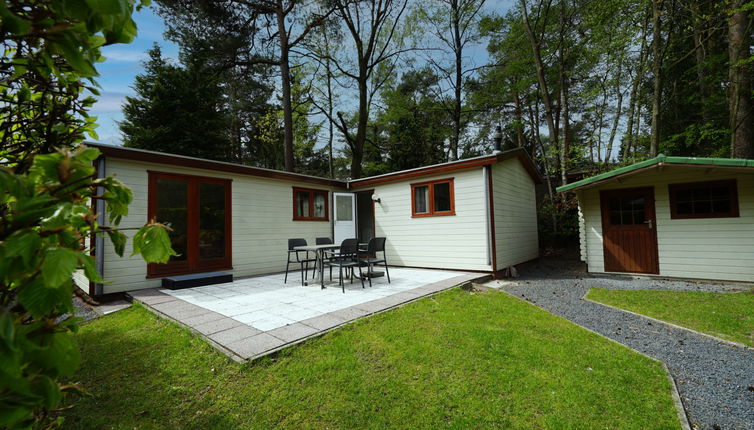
{"x":534,"y":119}
{"x":285,"y":82}
{"x":700,"y":57}
{"x":357,"y":148}
{"x":740,"y":75}
{"x":543,"y":88}
{"x":565,"y":150}
{"x":458,"y":84}
{"x":520,"y":138}
{"x":635,"y":101}
{"x":330,"y":126}
{"x":658,"y":77}
{"x":614,"y":129}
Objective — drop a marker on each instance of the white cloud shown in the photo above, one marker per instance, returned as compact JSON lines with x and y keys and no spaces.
{"x":123,"y":55}
{"x":108,"y":102}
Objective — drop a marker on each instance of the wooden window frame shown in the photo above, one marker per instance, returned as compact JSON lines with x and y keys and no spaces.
{"x":674,"y":188}
{"x":192,"y":263}
{"x":431,"y":199}
{"x":312,"y":192}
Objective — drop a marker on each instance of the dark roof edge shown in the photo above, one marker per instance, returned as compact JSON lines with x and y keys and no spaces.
{"x":467,"y":163}
{"x":200,"y":163}
{"x":659,"y":160}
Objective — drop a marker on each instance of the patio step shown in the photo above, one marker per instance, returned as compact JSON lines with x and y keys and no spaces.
{"x":196,"y":280}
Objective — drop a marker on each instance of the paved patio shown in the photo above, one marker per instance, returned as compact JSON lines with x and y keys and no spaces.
{"x":253,"y":317}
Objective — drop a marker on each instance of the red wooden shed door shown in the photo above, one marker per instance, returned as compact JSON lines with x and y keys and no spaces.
{"x":629,"y":230}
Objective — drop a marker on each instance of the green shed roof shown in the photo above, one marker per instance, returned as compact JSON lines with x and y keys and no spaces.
{"x":659,"y":160}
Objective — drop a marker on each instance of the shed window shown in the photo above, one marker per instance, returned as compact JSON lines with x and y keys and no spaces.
{"x":310,"y":205}
{"x":714,"y":199}
{"x":433,"y":198}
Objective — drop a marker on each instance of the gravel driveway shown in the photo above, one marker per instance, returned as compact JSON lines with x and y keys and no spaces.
{"x":715,"y":380}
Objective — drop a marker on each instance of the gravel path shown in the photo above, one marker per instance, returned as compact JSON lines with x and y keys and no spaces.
{"x":715,"y":380}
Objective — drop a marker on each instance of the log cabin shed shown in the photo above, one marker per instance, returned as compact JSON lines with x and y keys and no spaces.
{"x":679,"y":217}
{"x":476,"y":214}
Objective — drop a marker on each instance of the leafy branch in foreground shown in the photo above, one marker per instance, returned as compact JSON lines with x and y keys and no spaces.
{"x":45,"y":221}
{"x":47,"y":187}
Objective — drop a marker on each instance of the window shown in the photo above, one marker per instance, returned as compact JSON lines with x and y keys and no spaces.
{"x":310,"y":205}
{"x":197,"y":210}
{"x":626,"y":210}
{"x":714,"y":199}
{"x":432,"y":198}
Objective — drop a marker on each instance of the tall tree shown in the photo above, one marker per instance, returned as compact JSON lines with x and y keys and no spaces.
{"x":177,"y":110}
{"x":658,"y":54}
{"x":454,"y":23}
{"x":414,"y":121}
{"x":373,"y":26}
{"x":261,"y":32}
{"x":740,"y":76}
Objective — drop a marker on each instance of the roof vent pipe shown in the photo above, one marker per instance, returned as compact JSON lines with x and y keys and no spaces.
{"x":498,"y":139}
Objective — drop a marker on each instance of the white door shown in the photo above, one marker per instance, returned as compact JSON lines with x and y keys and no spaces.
{"x":345,"y":217}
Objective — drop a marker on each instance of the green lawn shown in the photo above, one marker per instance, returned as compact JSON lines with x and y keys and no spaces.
{"x":725,"y":315}
{"x":458,"y":360}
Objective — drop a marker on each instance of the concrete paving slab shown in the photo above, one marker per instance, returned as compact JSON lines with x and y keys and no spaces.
{"x":255,"y":346}
{"x":255,"y":316}
{"x":234,"y":335}
{"x":324,"y":322}
{"x":202,"y":318}
{"x":151,"y":296}
{"x":350,"y":313}
{"x":293,"y":332}
{"x":212,"y":327}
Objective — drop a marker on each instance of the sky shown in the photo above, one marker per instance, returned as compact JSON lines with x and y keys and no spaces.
{"x":117,"y":73}
{"x":125,"y":61}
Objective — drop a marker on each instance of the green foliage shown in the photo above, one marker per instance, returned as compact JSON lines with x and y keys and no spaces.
{"x":413,"y":126}
{"x":47,"y":186}
{"x":179,"y":110}
{"x":698,"y":140}
{"x":45,"y":224}
{"x":558,"y":221}
{"x":49,"y":52}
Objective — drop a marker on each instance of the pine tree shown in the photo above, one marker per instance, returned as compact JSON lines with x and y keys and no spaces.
{"x":178,"y":110}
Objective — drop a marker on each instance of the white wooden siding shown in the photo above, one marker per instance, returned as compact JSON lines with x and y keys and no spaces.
{"x":445,"y":242}
{"x":516,"y":239}
{"x":706,"y":248}
{"x":262,"y":215}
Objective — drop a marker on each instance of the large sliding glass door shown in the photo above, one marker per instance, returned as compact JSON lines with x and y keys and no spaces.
{"x":197,"y":209}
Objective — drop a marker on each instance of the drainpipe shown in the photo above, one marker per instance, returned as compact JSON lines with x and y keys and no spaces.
{"x":99,"y":241}
{"x":485,"y":181}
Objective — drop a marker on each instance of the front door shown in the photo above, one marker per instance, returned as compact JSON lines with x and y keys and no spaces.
{"x":629,"y":230}
{"x":345,"y":217}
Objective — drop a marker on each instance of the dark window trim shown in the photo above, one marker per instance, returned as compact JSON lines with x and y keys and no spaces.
{"x":191,"y":265}
{"x":431,"y":200}
{"x":312,"y":192}
{"x":733,"y":213}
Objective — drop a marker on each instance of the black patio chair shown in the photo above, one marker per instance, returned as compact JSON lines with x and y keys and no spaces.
{"x":304,"y":263}
{"x":369,"y":256}
{"x":347,"y":259}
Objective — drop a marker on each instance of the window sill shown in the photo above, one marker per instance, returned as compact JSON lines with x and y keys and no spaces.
{"x":310,"y":219}
{"x":704,"y":216}
{"x":433,"y":214}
